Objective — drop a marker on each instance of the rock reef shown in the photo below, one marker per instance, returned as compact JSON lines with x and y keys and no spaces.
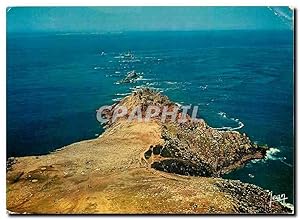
{"x":141,"y":167}
{"x":131,"y":77}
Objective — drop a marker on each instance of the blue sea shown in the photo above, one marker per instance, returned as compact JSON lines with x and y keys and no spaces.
{"x":239,"y":79}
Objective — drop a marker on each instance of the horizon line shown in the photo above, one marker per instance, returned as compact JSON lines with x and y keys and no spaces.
{"x":126,"y":31}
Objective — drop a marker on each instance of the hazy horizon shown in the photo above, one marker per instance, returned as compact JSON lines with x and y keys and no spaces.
{"x":127,"y":19}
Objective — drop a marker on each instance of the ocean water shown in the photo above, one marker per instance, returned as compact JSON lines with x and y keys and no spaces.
{"x":239,"y":79}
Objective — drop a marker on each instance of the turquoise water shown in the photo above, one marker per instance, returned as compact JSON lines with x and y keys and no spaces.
{"x":56,"y":81}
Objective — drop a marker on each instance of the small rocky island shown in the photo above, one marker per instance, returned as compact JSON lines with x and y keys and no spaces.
{"x":141,"y":167}
{"x":131,"y":77}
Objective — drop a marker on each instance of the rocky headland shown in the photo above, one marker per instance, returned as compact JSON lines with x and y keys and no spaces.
{"x":141,"y":167}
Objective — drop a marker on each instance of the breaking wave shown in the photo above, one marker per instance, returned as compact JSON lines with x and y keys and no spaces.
{"x":123,"y":94}
{"x":224,"y":115}
{"x":272,"y":154}
{"x":117,"y":99}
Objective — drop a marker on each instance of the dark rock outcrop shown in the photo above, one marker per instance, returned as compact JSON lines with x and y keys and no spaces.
{"x":131,"y":77}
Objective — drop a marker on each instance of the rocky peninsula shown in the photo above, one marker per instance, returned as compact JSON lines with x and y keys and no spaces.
{"x":141,"y":167}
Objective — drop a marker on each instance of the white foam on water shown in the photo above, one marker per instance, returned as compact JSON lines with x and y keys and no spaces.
{"x":145,"y":79}
{"x":203,"y":87}
{"x":118,"y":57}
{"x":256,"y":160}
{"x":224,"y":115}
{"x":117,"y":99}
{"x":251,"y":175}
{"x":271,"y":154}
{"x":171,"y":83}
{"x":285,"y":163}
{"x":129,"y":61}
{"x":152,"y":83}
{"x":123,"y":94}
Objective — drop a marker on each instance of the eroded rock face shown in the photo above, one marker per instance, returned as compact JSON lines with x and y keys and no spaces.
{"x":182,"y":167}
{"x":204,"y":151}
{"x":251,"y":198}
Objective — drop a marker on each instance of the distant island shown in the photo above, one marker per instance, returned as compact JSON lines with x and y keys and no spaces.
{"x":142,"y":167}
